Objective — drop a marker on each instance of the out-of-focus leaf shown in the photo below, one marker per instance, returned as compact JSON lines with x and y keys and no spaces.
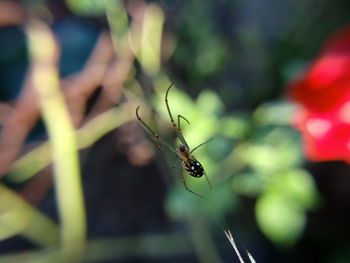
{"x":234,"y":127}
{"x":273,"y":149}
{"x":281,"y":209}
{"x":181,"y":203}
{"x":274,"y":113}
{"x":260,"y":157}
{"x":220,"y":200}
{"x":219,"y":148}
{"x":87,"y":7}
{"x":299,"y":187}
{"x":277,"y":136}
{"x":211,"y":57}
{"x":248,"y":184}
{"x":279,"y":219}
{"x":215,"y":203}
{"x":201,"y":129}
{"x":210,"y":103}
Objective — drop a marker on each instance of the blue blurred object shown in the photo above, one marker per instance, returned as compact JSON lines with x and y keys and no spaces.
{"x":77,"y":38}
{"x":13,"y":61}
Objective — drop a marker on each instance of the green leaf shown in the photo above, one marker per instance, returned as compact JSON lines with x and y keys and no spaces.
{"x":216,"y":202}
{"x":279,"y":219}
{"x":273,"y":149}
{"x":210,"y":103}
{"x":212,"y":57}
{"x":299,"y":186}
{"x":219,"y":148}
{"x":86,"y":7}
{"x":248,"y":184}
{"x":274,"y":113}
{"x":234,"y":126}
{"x":281,"y":209}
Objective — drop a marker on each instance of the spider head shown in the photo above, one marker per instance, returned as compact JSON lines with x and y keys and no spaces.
{"x":182,"y":149}
{"x":194,"y":168}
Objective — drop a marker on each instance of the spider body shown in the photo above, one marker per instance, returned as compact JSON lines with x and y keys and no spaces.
{"x":183,"y":152}
{"x":189,"y":162}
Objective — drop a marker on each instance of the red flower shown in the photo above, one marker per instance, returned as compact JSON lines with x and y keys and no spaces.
{"x":324,"y":96}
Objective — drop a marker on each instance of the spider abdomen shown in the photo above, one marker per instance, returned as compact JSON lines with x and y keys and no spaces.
{"x":194,"y":168}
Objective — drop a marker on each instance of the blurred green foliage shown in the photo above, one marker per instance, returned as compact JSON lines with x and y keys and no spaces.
{"x":87,"y":7}
{"x":230,"y":69}
{"x":257,"y":156}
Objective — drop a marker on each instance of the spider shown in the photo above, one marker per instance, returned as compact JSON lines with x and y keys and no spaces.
{"x":182,"y":151}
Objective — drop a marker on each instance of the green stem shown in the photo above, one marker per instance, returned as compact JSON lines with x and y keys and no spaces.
{"x":44,"y":50}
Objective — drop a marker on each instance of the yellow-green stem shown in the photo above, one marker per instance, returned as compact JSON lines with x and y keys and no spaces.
{"x":43,"y":51}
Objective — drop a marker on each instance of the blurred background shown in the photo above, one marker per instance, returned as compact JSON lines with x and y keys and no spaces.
{"x":82,"y":181}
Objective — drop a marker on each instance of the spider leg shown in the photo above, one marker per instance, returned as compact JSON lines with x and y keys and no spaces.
{"x":159,"y":144}
{"x":186,"y":187}
{"x":178,"y":129}
{"x":206,"y":177}
{"x":178,"y":122}
{"x":195,"y":148}
{"x":145,"y":125}
{"x":155,"y":137}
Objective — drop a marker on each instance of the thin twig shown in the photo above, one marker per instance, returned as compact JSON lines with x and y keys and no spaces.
{"x":233,"y":243}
